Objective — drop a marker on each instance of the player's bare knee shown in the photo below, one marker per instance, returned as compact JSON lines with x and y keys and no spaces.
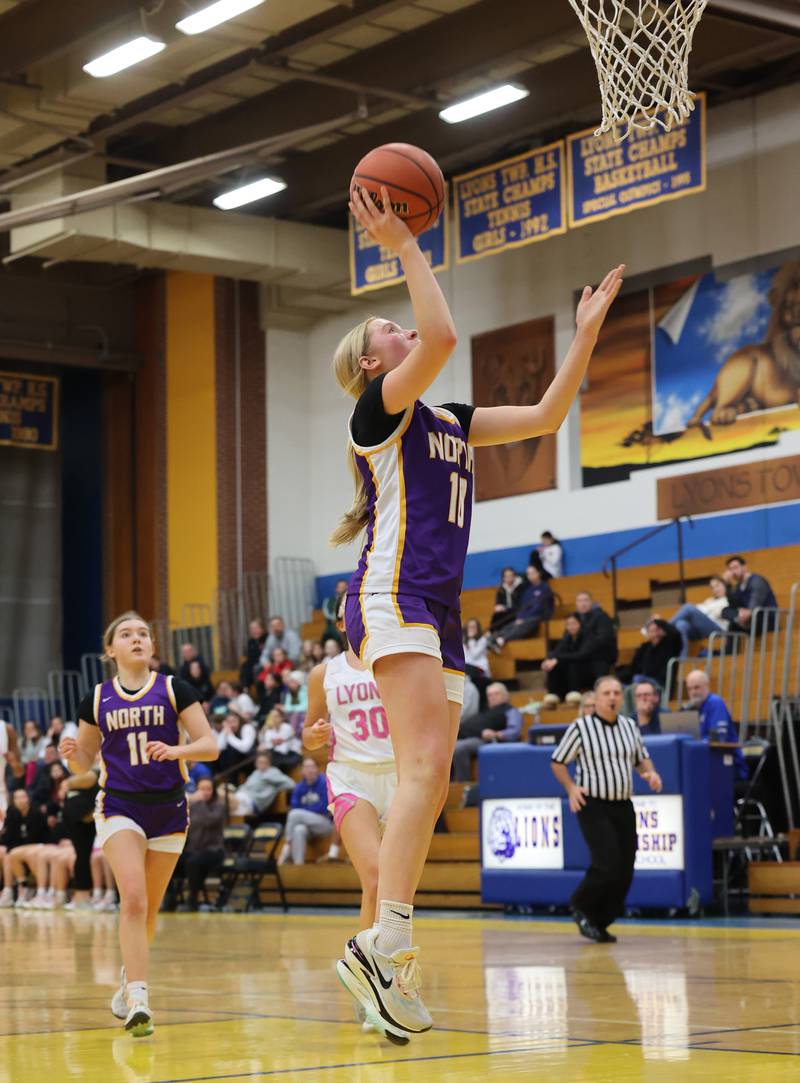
{"x":133,"y":903}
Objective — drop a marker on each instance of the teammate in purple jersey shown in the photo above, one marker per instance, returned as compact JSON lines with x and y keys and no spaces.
{"x":412,"y":466}
{"x":135,"y":723}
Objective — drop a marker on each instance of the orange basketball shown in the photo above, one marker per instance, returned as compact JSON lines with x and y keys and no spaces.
{"x":413,"y":179}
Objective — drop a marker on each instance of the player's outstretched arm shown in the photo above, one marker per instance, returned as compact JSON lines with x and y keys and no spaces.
{"x":437,"y":333}
{"x":505,"y":424}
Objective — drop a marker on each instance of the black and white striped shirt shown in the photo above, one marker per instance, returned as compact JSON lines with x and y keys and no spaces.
{"x":606,"y":753}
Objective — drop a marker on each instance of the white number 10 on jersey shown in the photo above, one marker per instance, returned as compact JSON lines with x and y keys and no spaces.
{"x":458,"y":495}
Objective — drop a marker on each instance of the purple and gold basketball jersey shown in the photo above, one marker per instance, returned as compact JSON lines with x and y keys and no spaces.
{"x":127,"y":722}
{"x":419,"y":490}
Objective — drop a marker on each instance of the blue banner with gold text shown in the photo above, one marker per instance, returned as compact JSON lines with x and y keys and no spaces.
{"x":373,"y":267}
{"x":510,"y":203}
{"x":608,"y":178}
{"x":28,"y":411}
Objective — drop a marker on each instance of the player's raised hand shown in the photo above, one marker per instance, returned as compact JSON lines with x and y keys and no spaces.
{"x":383,"y":225}
{"x":594,"y":304}
{"x":158,"y":751}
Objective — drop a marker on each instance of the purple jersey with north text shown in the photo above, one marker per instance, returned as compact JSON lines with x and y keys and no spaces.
{"x":127,"y":722}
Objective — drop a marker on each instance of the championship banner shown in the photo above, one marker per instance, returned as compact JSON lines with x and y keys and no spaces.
{"x":511,"y":203}
{"x":522,"y":833}
{"x":373,"y":267}
{"x":28,"y":411}
{"x":659,"y":830}
{"x":608,"y":178}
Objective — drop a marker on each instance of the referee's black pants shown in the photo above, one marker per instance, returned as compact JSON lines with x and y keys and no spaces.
{"x":609,"y":828}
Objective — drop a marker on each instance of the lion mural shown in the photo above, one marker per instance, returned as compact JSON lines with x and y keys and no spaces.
{"x":766,"y":374}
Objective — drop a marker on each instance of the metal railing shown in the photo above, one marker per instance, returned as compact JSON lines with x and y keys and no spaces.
{"x":93,"y":670}
{"x":784,"y":717}
{"x":728,"y":649}
{"x":66,"y":689}
{"x":234,"y":610}
{"x":612,"y":559}
{"x":30,"y":703}
{"x":293,"y":590}
{"x":195,"y":627}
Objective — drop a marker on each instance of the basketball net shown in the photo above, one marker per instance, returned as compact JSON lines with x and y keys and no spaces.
{"x":641,"y":51}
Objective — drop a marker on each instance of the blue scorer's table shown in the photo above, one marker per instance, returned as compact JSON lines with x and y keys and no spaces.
{"x":532,"y":851}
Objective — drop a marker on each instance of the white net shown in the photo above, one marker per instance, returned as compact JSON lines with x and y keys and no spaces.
{"x":641,"y":51}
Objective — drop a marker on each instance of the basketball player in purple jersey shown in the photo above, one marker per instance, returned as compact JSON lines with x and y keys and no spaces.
{"x":135,"y":722}
{"x":412,"y":466}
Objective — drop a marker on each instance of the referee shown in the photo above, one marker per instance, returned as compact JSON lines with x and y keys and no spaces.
{"x":606,"y":745}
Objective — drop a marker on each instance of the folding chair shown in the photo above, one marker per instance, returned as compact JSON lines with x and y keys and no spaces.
{"x":237,"y":838}
{"x":258,"y":861}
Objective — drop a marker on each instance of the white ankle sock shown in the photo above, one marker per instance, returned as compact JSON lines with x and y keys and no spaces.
{"x":137,"y":991}
{"x":394,"y":926}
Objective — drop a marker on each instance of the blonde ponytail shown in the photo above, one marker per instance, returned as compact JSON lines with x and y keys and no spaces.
{"x":352,"y":378}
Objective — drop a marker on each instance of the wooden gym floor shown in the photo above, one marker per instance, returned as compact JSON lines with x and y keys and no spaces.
{"x":242,"y":997}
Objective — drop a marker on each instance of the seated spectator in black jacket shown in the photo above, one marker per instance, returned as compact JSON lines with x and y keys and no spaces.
{"x":653,"y":657}
{"x":647,"y":707}
{"x":506,"y":600}
{"x":599,"y":634}
{"x":748,"y":592}
{"x":257,"y":637}
{"x":568,"y":666}
{"x":157,"y":666}
{"x":24,"y":831}
{"x":499,"y":722}
{"x":190,"y":654}
{"x":205,"y":846}
{"x":535,"y":606}
{"x":198,"y":679}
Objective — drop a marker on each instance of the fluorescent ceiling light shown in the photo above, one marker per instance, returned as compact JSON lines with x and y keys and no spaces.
{"x":215,"y":14}
{"x":132,"y":52}
{"x":248,"y":193}
{"x":483,"y":103}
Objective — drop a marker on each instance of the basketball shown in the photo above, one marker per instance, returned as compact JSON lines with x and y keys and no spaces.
{"x":412,"y":177}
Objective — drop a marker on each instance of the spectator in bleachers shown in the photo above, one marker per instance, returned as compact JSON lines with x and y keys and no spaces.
{"x":499,"y":722}
{"x":716,"y":723}
{"x":699,"y":621}
{"x":567,"y":666}
{"x":197,"y":677}
{"x":599,"y":634}
{"x":653,"y":657}
{"x":235,"y":742}
{"x":279,"y":737}
{"x":476,"y":655}
{"x":647,"y":707}
{"x":260,"y":788}
{"x":221,"y":700}
{"x":257,"y":637}
{"x":280,"y":636}
{"x":747,"y":593}
{"x":330,"y":608}
{"x":80,"y":794}
{"x":548,"y":555}
{"x":24,"y":831}
{"x":535,"y":607}
{"x":309,"y":816}
{"x":271,"y":688}
{"x":39,"y":769}
{"x":205,"y":847}
{"x":104,"y":894}
{"x":33,"y":743}
{"x":242,"y":702}
{"x":331,"y":649}
{"x":295,"y":698}
{"x":472,"y":699}
{"x":49,"y":777}
{"x":197,"y":772}
{"x":157,"y":666}
{"x":278,"y":664}
{"x":58,"y":728}
{"x":190,"y":654}
{"x":587,"y":704}
{"x":506,"y":600}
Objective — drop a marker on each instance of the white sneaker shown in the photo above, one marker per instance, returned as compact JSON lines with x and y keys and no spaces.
{"x":24,"y":900}
{"x":40,"y":901}
{"x":119,"y":1001}
{"x":6,"y":898}
{"x":81,"y":906}
{"x":139,"y":1020}
{"x":387,"y":986}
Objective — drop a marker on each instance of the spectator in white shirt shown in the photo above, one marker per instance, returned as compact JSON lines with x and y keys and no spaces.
{"x":476,"y":657}
{"x":236,"y":741}
{"x":280,"y":636}
{"x":551,"y":555}
{"x":278,"y":737}
{"x":699,"y":621}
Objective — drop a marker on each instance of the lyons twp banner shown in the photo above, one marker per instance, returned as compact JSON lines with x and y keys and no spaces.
{"x":28,"y":411}
{"x":511,"y":203}
{"x":373,"y":267}
{"x":608,"y":178}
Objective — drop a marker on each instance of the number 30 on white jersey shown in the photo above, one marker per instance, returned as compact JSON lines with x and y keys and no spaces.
{"x":360,"y":726}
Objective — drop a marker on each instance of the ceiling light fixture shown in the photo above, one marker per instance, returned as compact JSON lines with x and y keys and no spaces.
{"x":124,"y":56}
{"x":248,"y":193}
{"x":215,"y":14}
{"x":483,"y":103}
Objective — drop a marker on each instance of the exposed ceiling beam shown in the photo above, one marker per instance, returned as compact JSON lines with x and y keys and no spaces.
{"x":40,"y":29}
{"x":777,"y":14}
{"x":410,"y":63}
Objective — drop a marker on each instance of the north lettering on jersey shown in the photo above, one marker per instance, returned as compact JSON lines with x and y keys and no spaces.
{"x":451,"y":449}
{"x":124,"y":718}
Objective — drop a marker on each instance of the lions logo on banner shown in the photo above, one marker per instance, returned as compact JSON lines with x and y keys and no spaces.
{"x":522,"y":833}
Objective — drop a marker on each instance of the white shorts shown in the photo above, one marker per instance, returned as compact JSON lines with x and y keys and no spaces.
{"x":164,"y":844}
{"x":348,"y":783}
{"x":163,"y":826}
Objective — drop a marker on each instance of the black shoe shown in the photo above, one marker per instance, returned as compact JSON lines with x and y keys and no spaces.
{"x":606,"y":937}
{"x":586,"y":928}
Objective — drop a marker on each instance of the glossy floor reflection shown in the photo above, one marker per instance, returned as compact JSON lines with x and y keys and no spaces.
{"x":247,"y":998}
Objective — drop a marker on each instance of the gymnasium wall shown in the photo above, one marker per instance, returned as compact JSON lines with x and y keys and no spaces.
{"x":748,"y":209}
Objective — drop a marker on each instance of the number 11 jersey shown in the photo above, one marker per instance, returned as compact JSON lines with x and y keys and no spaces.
{"x":360,"y":725}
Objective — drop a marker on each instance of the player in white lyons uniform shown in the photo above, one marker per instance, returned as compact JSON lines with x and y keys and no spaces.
{"x":346,"y":713}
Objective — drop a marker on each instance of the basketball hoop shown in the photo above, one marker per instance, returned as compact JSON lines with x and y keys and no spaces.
{"x":641,"y":51}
